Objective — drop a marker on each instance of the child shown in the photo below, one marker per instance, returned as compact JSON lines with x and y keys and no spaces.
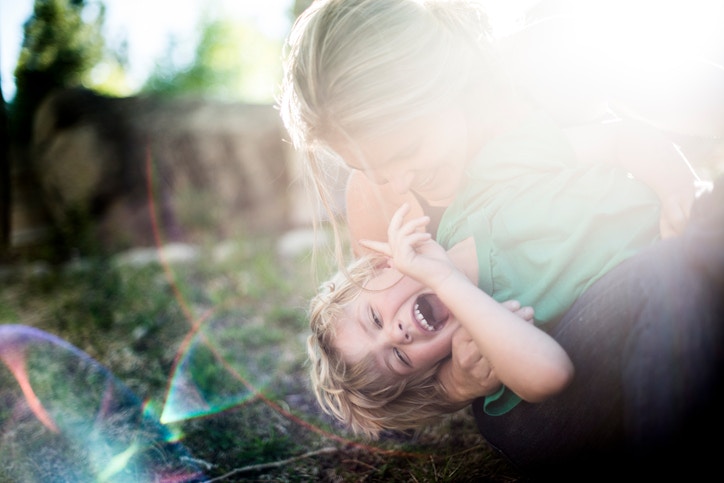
{"x":381,"y":341}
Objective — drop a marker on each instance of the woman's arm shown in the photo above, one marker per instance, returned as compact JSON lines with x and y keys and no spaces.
{"x":526,"y":359}
{"x":649,"y":156}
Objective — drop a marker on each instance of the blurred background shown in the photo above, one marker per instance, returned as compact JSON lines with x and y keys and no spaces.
{"x":106,"y":101}
{"x":106,"y":90}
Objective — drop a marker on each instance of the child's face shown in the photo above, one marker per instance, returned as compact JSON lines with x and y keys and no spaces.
{"x":427,"y":156}
{"x":399,"y":322}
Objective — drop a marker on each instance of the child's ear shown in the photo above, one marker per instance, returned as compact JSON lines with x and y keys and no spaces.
{"x":385,"y":262}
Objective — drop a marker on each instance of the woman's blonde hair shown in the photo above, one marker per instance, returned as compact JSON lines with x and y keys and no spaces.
{"x":359,"y":394}
{"x":356,"y":68}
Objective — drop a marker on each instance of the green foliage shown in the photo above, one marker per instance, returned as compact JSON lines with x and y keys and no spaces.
{"x":60,"y":47}
{"x":232,"y":61}
{"x":110,"y":78}
{"x":4,"y":178}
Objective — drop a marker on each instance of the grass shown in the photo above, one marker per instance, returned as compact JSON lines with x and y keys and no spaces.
{"x":227,"y":335}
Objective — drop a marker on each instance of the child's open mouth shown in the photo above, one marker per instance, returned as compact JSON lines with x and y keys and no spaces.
{"x":430,"y":312}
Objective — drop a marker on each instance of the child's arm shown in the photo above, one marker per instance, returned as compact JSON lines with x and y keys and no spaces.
{"x":649,"y":156}
{"x":524,"y":358}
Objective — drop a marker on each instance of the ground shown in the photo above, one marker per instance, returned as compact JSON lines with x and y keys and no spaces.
{"x":211,"y":342}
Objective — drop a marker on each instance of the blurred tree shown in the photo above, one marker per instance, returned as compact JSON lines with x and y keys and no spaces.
{"x":4,"y":177}
{"x":62,"y":42}
{"x":232,"y":61}
{"x":110,"y":75}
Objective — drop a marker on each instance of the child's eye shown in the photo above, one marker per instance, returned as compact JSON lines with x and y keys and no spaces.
{"x":376,"y":319}
{"x":401,"y":357}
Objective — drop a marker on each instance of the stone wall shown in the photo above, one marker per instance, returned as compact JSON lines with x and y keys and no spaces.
{"x":139,"y":168}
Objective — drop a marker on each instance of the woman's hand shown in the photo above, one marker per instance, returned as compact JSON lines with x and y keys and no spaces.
{"x":468,"y":374}
{"x":675,"y":210}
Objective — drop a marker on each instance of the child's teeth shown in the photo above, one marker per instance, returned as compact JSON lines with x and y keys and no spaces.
{"x":421,"y":319}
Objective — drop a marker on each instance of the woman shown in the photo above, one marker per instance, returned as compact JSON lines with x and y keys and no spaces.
{"x":409,"y":94}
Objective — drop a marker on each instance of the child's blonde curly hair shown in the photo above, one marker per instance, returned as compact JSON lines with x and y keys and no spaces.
{"x":358,"y":394}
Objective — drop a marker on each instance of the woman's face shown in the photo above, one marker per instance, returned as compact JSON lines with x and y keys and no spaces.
{"x":427,"y":156}
{"x":399,"y":322}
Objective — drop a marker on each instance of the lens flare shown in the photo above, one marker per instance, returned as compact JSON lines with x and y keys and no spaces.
{"x":211,"y":373}
{"x":64,"y":417}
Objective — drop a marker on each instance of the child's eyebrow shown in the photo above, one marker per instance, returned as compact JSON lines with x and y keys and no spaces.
{"x":362,"y":310}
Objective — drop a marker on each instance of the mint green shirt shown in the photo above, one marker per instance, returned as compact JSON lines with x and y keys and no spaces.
{"x":545,"y":225}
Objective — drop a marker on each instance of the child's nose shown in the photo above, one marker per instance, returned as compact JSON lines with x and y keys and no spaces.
{"x":399,"y":333}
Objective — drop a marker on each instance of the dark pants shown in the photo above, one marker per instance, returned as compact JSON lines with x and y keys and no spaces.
{"x":646,"y":343}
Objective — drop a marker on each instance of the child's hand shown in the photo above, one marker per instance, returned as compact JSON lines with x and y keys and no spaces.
{"x":468,"y":374}
{"x":413,"y":251}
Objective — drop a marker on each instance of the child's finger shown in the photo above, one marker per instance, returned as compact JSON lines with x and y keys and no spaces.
{"x":526,"y":313}
{"x":417,"y":238}
{"x":415,"y":225}
{"x":377,"y":246}
{"x":511,"y":305}
{"x":399,"y":216}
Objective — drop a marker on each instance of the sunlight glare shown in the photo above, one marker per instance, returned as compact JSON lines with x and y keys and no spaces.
{"x":652,"y":37}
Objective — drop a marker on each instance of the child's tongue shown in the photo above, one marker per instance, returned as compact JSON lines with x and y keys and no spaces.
{"x":430,"y":312}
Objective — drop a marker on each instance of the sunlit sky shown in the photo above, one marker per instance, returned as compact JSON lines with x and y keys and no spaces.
{"x":147,"y":24}
{"x":648,"y":32}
